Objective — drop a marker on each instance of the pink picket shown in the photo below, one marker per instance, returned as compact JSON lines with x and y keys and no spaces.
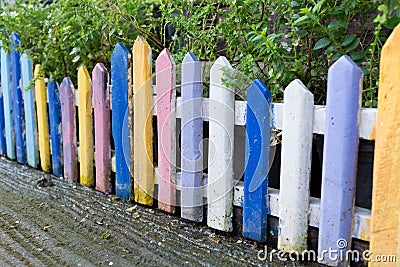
{"x":166,"y":124}
{"x":67,"y":98}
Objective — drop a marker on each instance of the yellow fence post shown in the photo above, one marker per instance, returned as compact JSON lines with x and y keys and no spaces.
{"x":385,"y":224}
{"x":143,"y":133}
{"x":85,"y":127}
{"x":43,"y":122}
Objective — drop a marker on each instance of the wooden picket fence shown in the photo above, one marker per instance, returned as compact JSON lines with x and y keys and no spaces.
{"x":38,"y":127}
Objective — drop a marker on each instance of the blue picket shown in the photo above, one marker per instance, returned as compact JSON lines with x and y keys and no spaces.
{"x":8,"y":106}
{"x":339,"y":168}
{"x":30,"y":113}
{"x":119,"y":102}
{"x":55,"y":127}
{"x":3,"y":147}
{"x":255,"y":202}
{"x":17,"y":99}
{"x":191,"y":139}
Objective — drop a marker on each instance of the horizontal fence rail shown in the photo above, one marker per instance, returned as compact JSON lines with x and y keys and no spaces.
{"x":150,"y":169}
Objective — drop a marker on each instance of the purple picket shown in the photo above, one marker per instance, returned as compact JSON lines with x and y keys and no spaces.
{"x":67,"y":97}
{"x":339,"y":168}
{"x":191,"y":140}
{"x":102,"y":128}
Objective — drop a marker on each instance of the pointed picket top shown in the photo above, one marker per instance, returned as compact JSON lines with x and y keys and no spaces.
{"x":296,"y":87}
{"x":66,"y":83}
{"x":192,"y":68}
{"x":142,"y":45}
{"x":164,"y":61}
{"x":120,"y":50}
{"x":217,"y":70}
{"x":296,"y":167}
{"x":385,"y":222}
{"x":345,"y":62}
{"x":100,"y":69}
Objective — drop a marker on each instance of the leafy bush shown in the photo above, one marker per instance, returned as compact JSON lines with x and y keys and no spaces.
{"x":276,"y":40}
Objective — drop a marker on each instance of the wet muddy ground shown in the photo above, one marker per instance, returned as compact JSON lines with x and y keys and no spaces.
{"x":70,"y":225}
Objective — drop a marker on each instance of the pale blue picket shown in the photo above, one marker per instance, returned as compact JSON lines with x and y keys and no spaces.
{"x":8,"y":104}
{"x":30,"y":113}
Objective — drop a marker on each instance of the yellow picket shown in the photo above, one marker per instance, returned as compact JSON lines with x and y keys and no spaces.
{"x":43,"y":123}
{"x":385,"y":224}
{"x":85,"y":127}
{"x":144,"y":178}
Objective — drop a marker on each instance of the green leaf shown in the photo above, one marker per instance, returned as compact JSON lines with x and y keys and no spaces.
{"x":337,"y":24}
{"x":348,"y":39}
{"x":358,"y":55}
{"x":324,"y":42}
{"x":301,"y":20}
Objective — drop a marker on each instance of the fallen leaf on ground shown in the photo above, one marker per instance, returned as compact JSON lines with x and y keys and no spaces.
{"x":106,"y":236}
{"x":131,"y":208}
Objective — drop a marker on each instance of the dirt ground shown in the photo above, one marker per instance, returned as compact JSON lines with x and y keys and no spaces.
{"x":70,"y":225}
